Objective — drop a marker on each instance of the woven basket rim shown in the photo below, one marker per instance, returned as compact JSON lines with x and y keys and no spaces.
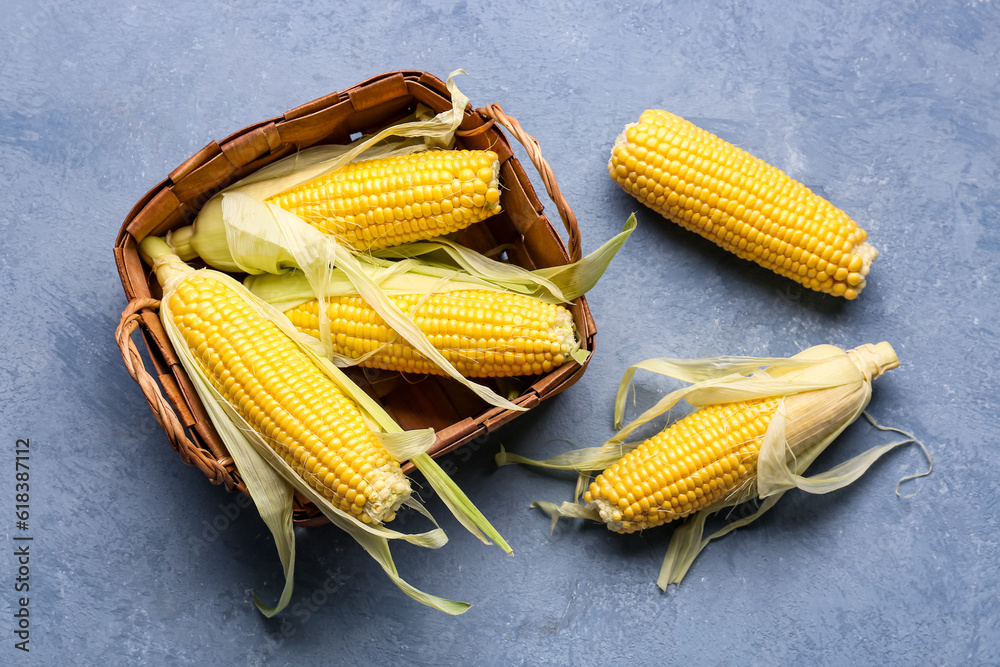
{"x":168,"y":390}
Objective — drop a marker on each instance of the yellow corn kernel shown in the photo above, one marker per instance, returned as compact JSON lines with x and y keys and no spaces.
{"x":741,"y":203}
{"x":375,"y":204}
{"x":288,"y":400}
{"x":699,"y":451}
{"x":483,"y":333}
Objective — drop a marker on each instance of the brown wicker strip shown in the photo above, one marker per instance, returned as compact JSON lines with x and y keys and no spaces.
{"x":548,"y":177}
{"x":162,"y":410}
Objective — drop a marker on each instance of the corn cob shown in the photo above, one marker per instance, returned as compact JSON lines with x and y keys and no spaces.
{"x":712,"y":454}
{"x":685,"y":468}
{"x":373,"y":204}
{"x":367,"y":205}
{"x":483,"y":333}
{"x":741,"y":203}
{"x":308,"y":421}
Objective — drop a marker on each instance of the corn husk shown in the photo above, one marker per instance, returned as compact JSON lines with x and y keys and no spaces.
{"x":271,"y":482}
{"x":428,"y":267}
{"x":824,"y":389}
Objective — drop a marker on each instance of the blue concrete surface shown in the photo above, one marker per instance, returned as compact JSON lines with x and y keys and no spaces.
{"x":889,"y":109}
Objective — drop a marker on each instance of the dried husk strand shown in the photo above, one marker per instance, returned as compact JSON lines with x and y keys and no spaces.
{"x":271,"y":481}
{"x":818,"y":393}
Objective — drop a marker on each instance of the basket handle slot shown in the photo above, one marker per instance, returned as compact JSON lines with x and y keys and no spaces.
{"x":534,"y":150}
{"x":164,"y":414}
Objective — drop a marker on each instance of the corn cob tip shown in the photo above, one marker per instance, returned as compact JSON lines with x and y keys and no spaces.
{"x":564,"y":330}
{"x":180,"y":240}
{"x":875,"y":360}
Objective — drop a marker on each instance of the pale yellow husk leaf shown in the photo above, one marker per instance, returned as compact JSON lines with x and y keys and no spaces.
{"x":430,"y":267}
{"x":824,"y":389}
{"x":271,"y":480}
{"x":418,"y":276}
{"x":316,"y":254}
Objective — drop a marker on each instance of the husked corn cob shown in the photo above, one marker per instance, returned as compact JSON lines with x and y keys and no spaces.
{"x":712,"y":454}
{"x":483,"y":333}
{"x":685,"y":468}
{"x":373,"y":204}
{"x":318,"y":430}
{"x":741,"y":203}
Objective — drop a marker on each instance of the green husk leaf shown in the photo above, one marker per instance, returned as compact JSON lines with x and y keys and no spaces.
{"x":778,"y":470}
{"x":578,"y":278}
{"x":378,"y":549}
{"x":458,"y":503}
{"x":566,"y":510}
{"x":475,"y":264}
{"x":579,"y":460}
{"x":557,"y":284}
{"x":408,"y":444}
{"x":775,"y":473}
{"x":724,"y":380}
{"x":686,"y":542}
{"x":271,"y":481}
{"x":406,"y":277}
{"x":271,"y":493}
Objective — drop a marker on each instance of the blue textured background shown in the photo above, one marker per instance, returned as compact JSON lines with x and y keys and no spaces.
{"x":888,"y":109}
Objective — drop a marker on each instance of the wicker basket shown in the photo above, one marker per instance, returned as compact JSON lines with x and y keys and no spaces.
{"x":455,"y":413}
